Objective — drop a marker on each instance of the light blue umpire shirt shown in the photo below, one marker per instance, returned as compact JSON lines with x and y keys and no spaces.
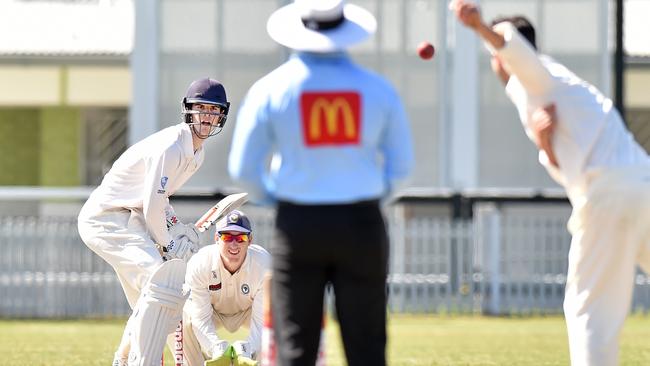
{"x":320,"y":129}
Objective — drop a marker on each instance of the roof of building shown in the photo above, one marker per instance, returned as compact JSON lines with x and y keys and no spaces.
{"x":66,"y":27}
{"x":106,"y":27}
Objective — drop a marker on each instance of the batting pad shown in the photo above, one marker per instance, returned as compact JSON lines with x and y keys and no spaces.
{"x":157,"y":312}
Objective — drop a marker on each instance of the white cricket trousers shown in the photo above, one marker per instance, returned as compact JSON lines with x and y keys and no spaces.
{"x":610,"y":228}
{"x":193,"y":355}
{"x":120,"y":237}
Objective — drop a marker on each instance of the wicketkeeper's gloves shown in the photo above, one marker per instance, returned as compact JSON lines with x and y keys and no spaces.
{"x":243,"y":354}
{"x":243,"y":361}
{"x":221,"y":354}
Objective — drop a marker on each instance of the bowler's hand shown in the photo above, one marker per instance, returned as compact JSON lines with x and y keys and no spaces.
{"x":542,"y":125}
{"x":467,"y":13}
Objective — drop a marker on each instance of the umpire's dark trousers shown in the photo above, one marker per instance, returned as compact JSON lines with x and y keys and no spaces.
{"x":346,"y":245}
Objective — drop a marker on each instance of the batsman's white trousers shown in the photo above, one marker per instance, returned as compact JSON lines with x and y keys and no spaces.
{"x":192,"y":353}
{"x":610,"y":228}
{"x":120,"y":237}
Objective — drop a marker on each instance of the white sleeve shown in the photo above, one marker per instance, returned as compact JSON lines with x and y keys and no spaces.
{"x":198,"y":306}
{"x":161,"y":169}
{"x":522,"y":60}
{"x":257,"y":319}
{"x":170,"y":216}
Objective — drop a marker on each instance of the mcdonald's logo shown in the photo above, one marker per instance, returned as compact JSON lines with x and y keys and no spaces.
{"x":331,"y":118}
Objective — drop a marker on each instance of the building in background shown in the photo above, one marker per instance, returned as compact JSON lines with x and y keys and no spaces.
{"x":82,"y":79}
{"x":65,"y":89}
{"x":637,"y":74}
{"x":72,"y":71}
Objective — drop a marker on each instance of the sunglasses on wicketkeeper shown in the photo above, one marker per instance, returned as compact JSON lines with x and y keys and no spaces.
{"x":240,"y":238}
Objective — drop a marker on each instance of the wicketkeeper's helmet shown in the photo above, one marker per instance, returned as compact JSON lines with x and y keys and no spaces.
{"x":206,"y":91}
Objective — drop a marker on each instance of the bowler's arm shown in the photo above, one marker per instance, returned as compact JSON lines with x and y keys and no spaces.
{"x":522,"y":60}
{"x":542,"y":127}
{"x":505,"y":42}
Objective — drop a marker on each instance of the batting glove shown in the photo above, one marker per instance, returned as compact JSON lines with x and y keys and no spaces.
{"x":181,"y":248}
{"x":188,"y":230}
{"x":243,"y":354}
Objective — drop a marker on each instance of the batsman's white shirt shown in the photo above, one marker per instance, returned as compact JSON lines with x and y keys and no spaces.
{"x":590,"y":134}
{"x":125,"y":216}
{"x":219,"y":298}
{"x":148,"y":173}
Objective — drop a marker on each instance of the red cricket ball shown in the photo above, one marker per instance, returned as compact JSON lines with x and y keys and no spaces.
{"x":426,"y":50}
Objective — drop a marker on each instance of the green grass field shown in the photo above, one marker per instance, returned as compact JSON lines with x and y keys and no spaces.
{"x":414,"y":341}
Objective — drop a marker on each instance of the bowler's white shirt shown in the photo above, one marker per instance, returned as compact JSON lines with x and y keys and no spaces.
{"x":148,"y":173}
{"x":214,"y":288}
{"x":589,"y":134}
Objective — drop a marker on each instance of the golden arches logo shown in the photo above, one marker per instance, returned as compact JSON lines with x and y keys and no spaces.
{"x":330,"y":109}
{"x":331,"y":118}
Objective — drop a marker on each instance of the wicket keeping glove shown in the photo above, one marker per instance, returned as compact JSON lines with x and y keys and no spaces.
{"x":221,"y":355}
{"x":243,"y":354}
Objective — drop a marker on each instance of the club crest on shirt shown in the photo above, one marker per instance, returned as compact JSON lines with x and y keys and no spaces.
{"x":216,"y":287}
{"x":163,"y":183}
{"x":245,"y":289}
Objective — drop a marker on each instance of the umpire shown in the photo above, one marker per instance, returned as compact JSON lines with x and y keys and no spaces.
{"x":339,"y":141}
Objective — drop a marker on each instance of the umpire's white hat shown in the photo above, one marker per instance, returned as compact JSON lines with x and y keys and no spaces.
{"x":320,"y":25}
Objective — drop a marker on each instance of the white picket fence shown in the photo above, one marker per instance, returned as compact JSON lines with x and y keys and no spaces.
{"x":502,"y":262}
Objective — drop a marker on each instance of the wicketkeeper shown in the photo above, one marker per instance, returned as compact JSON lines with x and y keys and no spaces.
{"x":225,"y":280}
{"x":125,"y":221}
{"x":585,"y":147}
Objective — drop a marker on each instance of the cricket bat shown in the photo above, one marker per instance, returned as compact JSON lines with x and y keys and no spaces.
{"x":220,"y":210}
{"x":209,"y":218}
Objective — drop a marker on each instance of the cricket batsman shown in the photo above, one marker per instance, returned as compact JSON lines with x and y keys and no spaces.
{"x":585,"y":147}
{"x":226,"y":291}
{"x":125,"y":221}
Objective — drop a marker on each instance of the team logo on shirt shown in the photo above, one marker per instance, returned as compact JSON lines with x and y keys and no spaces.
{"x":163,"y":183}
{"x":331,"y":118}
{"x":133,"y":357}
{"x":216,"y":287}
{"x":245,"y":289}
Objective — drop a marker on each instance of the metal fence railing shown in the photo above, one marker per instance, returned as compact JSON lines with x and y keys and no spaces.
{"x":499,"y":262}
